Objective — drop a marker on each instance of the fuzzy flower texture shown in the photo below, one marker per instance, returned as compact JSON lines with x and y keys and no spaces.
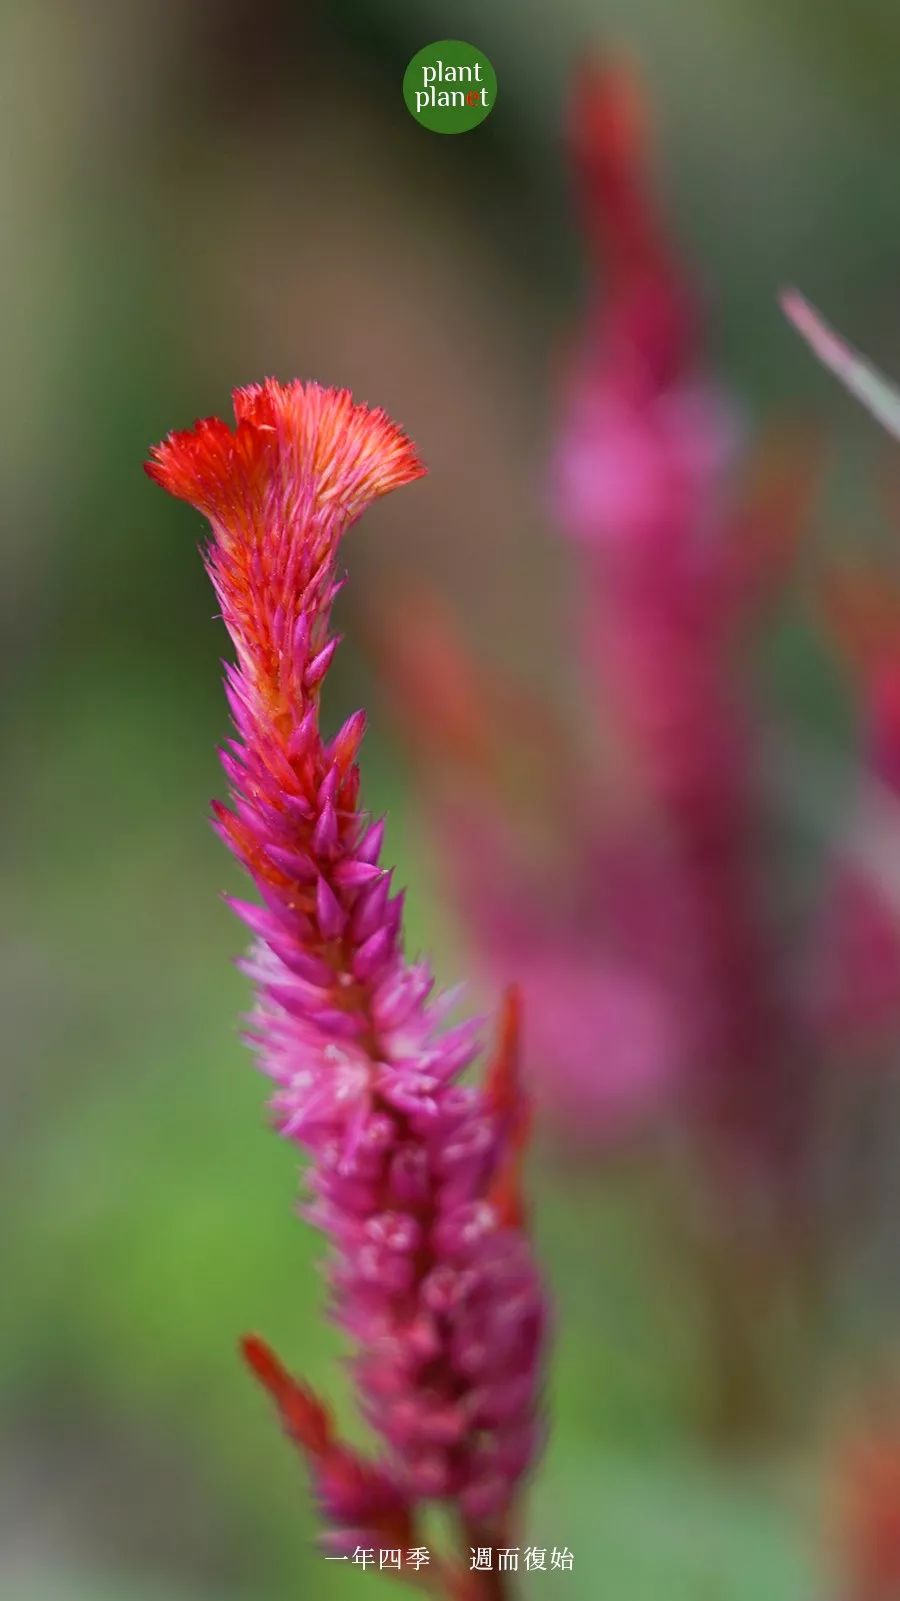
{"x":413,"y":1175}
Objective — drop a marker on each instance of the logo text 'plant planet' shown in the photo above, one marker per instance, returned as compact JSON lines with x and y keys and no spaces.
{"x":450,"y":86}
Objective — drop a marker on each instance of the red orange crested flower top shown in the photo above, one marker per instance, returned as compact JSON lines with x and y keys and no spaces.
{"x":335,"y":455}
{"x":280,"y":488}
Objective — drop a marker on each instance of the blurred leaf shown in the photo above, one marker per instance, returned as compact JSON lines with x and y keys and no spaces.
{"x":855,"y":373}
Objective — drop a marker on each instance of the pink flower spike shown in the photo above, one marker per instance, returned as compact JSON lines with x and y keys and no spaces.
{"x":403,"y":1160}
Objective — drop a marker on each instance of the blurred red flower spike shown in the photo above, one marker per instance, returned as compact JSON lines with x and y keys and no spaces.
{"x":459,"y":716}
{"x":608,"y":129}
{"x":653,"y":316}
{"x":436,"y":687}
{"x":865,"y":1505}
{"x":773,"y":512}
{"x":502,"y":1085}
{"x":505,"y":1093}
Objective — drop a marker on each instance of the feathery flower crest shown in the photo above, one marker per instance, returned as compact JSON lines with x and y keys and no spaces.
{"x":414,"y":1176}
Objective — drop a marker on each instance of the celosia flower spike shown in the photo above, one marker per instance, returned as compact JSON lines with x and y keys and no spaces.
{"x":432,"y":1277}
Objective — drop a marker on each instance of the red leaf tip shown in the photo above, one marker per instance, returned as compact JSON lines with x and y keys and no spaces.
{"x":303,"y":1415}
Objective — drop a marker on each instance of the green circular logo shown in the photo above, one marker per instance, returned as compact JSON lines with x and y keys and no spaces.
{"x":450,"y":86}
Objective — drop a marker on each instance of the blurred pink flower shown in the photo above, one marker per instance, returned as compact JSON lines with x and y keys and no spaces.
{"x":646,"y":439}
{"x":636,"y":919}
{"x":644,"y":484}
{"x":548,"y":894}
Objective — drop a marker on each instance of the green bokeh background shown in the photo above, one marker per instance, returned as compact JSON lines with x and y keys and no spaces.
{"x":196,"y":195}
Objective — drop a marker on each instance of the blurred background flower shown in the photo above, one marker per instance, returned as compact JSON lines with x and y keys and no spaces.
{"x":195,"y":195}
{"x":649,"y":903}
